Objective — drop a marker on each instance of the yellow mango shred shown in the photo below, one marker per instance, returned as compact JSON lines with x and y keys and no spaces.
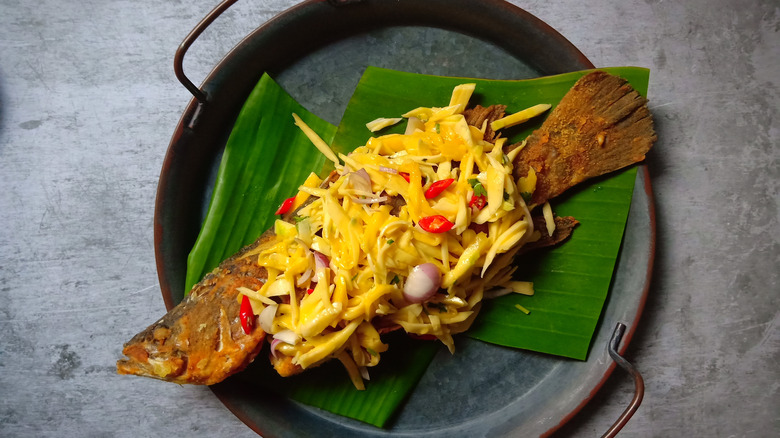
{"x":342,"y":261}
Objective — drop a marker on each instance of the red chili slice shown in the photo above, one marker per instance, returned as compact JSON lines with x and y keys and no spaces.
{"x":435,"y":224}
{"x":404,"y":175}
{"x":246,"y":315}
{"x":286,"y":205}
{"x":478,"y":202}
{"x":436,"y":188}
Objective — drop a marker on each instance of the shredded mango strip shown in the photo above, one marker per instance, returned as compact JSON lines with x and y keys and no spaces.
{"x":343,"y":261}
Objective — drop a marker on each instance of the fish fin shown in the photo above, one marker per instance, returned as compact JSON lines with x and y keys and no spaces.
{"x":601,"y":125}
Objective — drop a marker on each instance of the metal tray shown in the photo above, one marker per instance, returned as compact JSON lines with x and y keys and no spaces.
{"x":317,"y":52}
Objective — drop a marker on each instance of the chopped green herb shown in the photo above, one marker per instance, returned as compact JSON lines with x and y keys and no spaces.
{"x":437,"y":128}
{"x":526,"y":197}
{"x":372,"y":352}
{"x":506,"y":196}
{"x":354,"y":277}
{"x":479,"y":190}
{"x":395,"y":280}
{"x":390,"y":241}
{"x":300,"y":218}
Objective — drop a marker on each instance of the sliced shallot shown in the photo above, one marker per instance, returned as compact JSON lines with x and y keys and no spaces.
{"x":266,"y":318}
{"x":422,"y":283}
{"x":388,"y":170}
{"x":274,"y":343}
{"x":360,"y":180}
{"x":287,"y":336}
{"x":320,"y":260}
{"x":364,"y":373}
{"x":304,"y":277}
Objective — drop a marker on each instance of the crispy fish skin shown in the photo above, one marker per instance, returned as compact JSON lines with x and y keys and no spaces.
{"x":284,"y":365}
{"x":601,"y":125}
{"x":478,"y":115}
{"x":564,"y":226}
{"x":201,"y":340}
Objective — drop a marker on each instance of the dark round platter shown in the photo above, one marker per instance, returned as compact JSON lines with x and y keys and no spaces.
{"x":317,"y":51}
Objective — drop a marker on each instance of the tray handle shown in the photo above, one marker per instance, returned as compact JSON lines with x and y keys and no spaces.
{"x":639,"y":383}
{"x":178,"y":58}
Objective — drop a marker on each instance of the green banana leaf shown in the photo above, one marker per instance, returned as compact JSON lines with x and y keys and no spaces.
{"x":266,"y":158}
{"x":328,"y":386}
{"x":571,"y":282}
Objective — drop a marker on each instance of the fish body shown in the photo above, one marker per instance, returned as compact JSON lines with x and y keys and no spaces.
{"x":600,"y":126}
{"x":201,"y":340}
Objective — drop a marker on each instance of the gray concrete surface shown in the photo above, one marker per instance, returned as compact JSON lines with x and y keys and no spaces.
{"x":88,"y":102}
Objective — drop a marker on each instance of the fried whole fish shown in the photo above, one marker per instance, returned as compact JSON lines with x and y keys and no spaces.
{"x":201,"y":340}
{"x":601,"y":125}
